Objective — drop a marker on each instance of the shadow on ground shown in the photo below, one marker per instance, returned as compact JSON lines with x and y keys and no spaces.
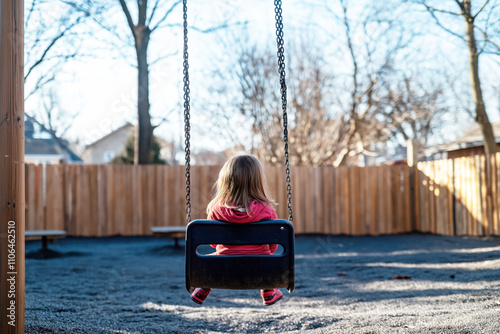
{"x":343,"y":285}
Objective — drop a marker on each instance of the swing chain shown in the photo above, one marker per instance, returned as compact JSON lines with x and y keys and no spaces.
{"x":281,"y":64}
{"x":187,"y":126}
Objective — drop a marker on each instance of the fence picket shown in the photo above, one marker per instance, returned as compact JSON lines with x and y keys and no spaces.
{"x":54,"y":197}
{"x":461,"y":176}
{"x":496,"y":193}
{"x":30,"y":185}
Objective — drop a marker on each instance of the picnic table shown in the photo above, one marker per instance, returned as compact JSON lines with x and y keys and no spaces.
{"x":45,"y":235}
{"x":174,"y":232}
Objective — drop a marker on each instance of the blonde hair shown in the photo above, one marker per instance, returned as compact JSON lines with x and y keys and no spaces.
{"x":241,"y":180}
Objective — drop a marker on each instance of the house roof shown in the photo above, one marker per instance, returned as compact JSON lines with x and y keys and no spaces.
{"x":40,"y":146}
{"x":46,"y":145}
{"x":72,"y":155}
{"x":473,"y":137}
{"x":124,"y":126}
{"x":474,"y":134}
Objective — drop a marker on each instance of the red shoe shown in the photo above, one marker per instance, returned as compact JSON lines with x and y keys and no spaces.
{"x":199,"y":295}
{"x":270,"y":296}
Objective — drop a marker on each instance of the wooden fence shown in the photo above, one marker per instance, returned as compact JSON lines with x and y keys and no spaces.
{"x":102,"y":200}
{"x":451,"y":197}
{"x":459,"y":196}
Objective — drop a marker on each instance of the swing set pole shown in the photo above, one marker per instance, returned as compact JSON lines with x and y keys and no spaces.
{"x":12,"y":203}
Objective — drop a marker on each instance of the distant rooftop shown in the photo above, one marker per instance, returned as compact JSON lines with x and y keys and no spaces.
{"x":473,"y":137}
{"x":38,"y":141}
{"x":124,"y":126}
{"x":474,"y":134}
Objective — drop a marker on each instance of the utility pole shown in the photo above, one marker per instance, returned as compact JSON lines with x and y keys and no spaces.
{"x":12,"y":202}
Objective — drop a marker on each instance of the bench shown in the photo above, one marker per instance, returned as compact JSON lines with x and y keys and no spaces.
{"x":174,"y":232}
{"x":45,"y":235}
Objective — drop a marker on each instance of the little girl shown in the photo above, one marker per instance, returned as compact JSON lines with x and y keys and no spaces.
{"x":241,"y":197}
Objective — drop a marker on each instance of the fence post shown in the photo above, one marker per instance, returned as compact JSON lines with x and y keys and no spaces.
{"x":12,"y":192}
{"x":411,"y":160}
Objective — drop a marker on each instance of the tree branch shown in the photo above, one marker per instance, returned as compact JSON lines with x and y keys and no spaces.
{"x":155,"y":7}
{"x":39,"y":84}
{"x":128,"y":16}
{"x":481,"y":9}
{"x":163,"y":57}
{"x":461,"y":5}
{"x":443,"y":27}
{"x":30,"y":11}
{"x":353,"y":57}
{"x":114,"y":45}
{"x":222,"y":26}
{"x":208,"y":30}
{"x":167,"y":13}
{"x":487,"y":40}
{"x":52,"y":43}
{"x":164,"y":119}
{"x":433,"y":9}
{"x":329,"y":10}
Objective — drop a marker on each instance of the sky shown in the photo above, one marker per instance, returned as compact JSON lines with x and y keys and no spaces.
{"x":101,"y":89}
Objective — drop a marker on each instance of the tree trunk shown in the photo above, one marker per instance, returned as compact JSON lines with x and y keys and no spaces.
{"x":481,"y":118}
{"x":12,"y":202}
{"x":144,"y":134}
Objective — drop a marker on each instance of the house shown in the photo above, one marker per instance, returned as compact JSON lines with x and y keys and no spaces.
{"x":106,"y":148}
{"x":471,"y":143}
{"x":103,"y":150}
{"x":41,"y":147}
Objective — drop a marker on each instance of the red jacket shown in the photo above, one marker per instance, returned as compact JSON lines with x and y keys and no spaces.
{"x":258,"y":211}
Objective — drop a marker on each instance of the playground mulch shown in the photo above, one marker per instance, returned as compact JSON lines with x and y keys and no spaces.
{"x":383,"y":284}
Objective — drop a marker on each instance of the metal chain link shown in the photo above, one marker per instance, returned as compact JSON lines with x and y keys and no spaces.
{"x":187,"y":126}
{"x":281,"y":63}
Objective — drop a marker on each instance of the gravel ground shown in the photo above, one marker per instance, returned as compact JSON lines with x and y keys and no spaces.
{"x":386,"y":284}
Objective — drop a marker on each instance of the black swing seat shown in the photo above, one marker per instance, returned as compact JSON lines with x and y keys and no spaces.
{"x":240,"y":272}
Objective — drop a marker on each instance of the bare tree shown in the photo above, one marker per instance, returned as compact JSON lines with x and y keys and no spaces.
{"x":482,"y":19}
{"x":252,"y":84}
{"x":54,"y":36}
{"x":51,"y":118}
{"x":142,"y":19}
{"x":341,"y":107}
{"x":371,"y":57}
{"x":141,"y":31}
{"x":314,"y":130}
{"x":55,"y":120}
{"x":411,"y":111}
{"x":51,"y":39}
